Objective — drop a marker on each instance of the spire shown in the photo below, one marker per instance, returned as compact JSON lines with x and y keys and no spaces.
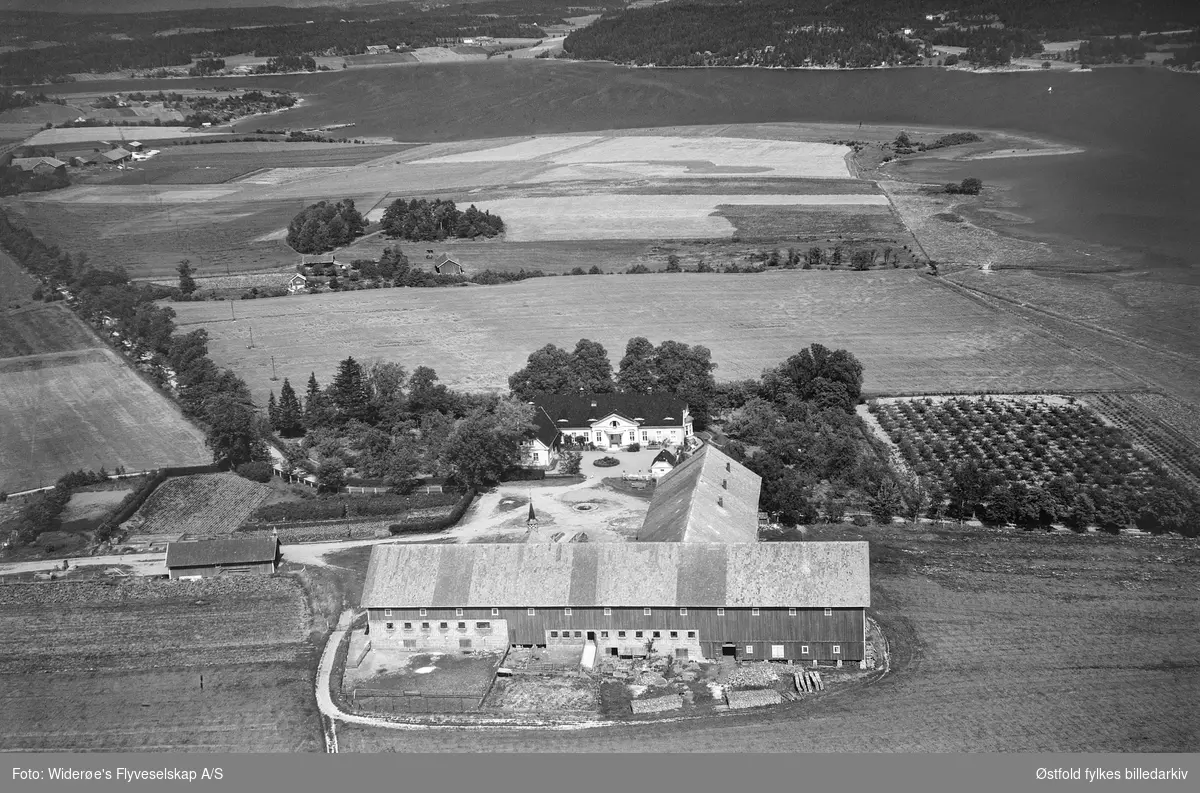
{"x":532,"y":520}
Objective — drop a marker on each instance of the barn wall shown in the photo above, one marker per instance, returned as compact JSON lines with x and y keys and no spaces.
{"x":207,"y":571}
{"x":843,"y":628}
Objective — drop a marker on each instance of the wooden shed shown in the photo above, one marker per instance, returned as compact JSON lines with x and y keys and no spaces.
{"x":782,"y":601}
{"x":206,"y":558}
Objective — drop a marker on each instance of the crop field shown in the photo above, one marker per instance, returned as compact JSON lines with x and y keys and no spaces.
{"x":1027,"y":440}
{"x":911,"y":334}
{"x":85,"y":409}
{"x":88,"y":507}
{"x":615,"y":216}
{"x":40,"y":328}
{"x":1000,"y":642}
{"x":150,"y":239}
{"x":1163,"y":426}
{"x":80,"y":687}
{"x":200,"y":505}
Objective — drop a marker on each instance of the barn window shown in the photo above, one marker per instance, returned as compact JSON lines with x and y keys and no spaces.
{"x":683,"y":612}
{"x":422,"y":614}
{"x":387,"y":612}
{"x":749,"y":649}
{"x":553,"y":634}
{"x":791,"y":612}
{"x":804,"y":649}
{"x":837,"y":649}
{"x":410,"y":642}
{"x":495,"y":612}
{"x":645,"y":612}
{"x":408,"y":626}
{"x":578,"y":634}
{"x":603,"y":634}
{"x":483,"y":626}
{"x":607,"y":612}
{"x":638,"y":634}
{"x":530,"y":612}
{"x":753,"y":612}
{"x":424,"y":626}
{"x":620,"y":634}
{"x":391,"y":626}
{"x":567,"y":612}
{"x":777,"y":651}
{"x":691,"y":634}
{"x":828,"y":612}
{"x":458,"y":612}
{"x":674,"y":634}
{"x":464,"y":644}
{"x":462,"y":626}
{"x":657,"y":634}
{"x":720,"y":612}
{"x":681,"y":653}
{"x":443,"y":626}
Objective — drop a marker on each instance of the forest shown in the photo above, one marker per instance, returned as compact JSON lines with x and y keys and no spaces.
{"x":324,"y":226}
{"x":855,"y":32}
{"x":82,"y":50}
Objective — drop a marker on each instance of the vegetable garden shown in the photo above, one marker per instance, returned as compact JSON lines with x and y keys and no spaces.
{"x":201,"y":505}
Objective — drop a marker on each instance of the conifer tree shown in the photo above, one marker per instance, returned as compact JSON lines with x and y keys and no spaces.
{"x":289,"y":415}
{"x":273,"y":411}
{"x":349,"y":392}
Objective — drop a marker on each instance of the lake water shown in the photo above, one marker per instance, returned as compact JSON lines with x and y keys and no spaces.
{"x":1135,"y":187}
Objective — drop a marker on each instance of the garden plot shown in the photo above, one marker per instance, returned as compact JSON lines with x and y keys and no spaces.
{"x":202,"y":505}
{"x":609,"y":216}
{"x":87,"y":508}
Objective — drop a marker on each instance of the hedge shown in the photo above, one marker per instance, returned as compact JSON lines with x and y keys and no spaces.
{"x":129,"y":505}
{"x":340,"y":506}
{"x":436,"y":524}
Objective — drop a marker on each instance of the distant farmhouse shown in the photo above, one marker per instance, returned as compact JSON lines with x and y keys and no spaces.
{"x":49,"y":166}
{"x":756,"y":601}
{"x":613,"y":421}
{"x":662,"y":464}
{"x":206,"y":558}
{"x":448,"y":265}
{"x":710,"y":497}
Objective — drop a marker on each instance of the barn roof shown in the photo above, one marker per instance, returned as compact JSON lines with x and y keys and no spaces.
{"x":202,"y":553}
{"x":650,"y":410}
{"x":547,"y":431}
{"x":768,"y":575}
{"x":29,"y":163}
{"x":709,"y":497}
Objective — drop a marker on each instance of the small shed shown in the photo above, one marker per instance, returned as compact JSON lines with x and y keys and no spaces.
{"x":115,"y":157}
{"x":41,"y":165}
{"x":206,"y":558}
{"x":662,"y":464}
{"x":297,"y":283}
{"x":448,"y":265}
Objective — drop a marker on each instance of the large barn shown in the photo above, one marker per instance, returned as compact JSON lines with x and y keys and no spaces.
{"x":795,"y":601}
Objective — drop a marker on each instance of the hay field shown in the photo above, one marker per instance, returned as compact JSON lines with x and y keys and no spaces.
{"x":621,"y":217}
{"x":85,"y":409}
{"x":121,"y":670}
{"x":685,"y":155}
{"x":1000,"y":642}
{"x":912,"y":334}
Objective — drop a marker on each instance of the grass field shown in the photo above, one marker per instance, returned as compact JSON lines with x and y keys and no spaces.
{"x":85,"y":409}
{"x":121,"y":670}
{"x":1000,"y":642}
{"x":911,"y":334}
{"x":200,"y":505}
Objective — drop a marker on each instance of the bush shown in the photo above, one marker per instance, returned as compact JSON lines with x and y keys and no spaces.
{"x":255,"y":471}
{"x":635,"y":447}
{"x":607,"y":462}
{"x":570,"y":462}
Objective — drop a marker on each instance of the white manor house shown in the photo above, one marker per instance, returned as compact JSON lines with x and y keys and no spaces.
{"x":608,"y":421}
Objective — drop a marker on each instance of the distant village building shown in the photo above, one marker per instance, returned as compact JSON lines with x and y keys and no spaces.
{"x":48,"y":166}
{"x":113,"y":157}
{"x":755,"y":601}
{"x":309,"y":259}
{"x":378,"y":49}
{"x":709,"y":497}
{"x":297,"y":283}
{"x":448,"y":265}
{"x":206,"y":558}
{"x":613,"y":421}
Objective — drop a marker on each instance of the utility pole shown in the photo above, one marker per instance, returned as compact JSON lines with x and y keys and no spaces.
{"x":232,"y":315}
{"x":273,"y":375}
{"x":251,"y":347}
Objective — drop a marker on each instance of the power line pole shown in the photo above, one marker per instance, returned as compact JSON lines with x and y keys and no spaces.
{"x":232,"y":315}
{"x":273,"y":375}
